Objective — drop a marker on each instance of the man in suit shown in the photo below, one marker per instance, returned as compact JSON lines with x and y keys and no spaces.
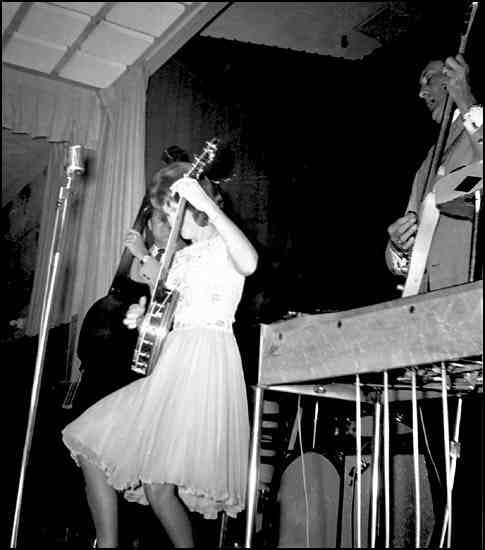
{"x":448,"y":264}
{"x":450,"y":251}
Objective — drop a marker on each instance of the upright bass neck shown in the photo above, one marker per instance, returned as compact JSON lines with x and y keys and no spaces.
{"x":138,"y":225}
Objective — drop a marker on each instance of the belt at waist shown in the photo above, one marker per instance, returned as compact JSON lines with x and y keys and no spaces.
{"x":217,"y":325}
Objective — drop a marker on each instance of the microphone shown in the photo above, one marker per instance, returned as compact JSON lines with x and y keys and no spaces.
{"x":75,"y":161}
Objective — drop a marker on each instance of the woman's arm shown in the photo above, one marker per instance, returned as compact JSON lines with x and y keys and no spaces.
{"x":241,"y":251}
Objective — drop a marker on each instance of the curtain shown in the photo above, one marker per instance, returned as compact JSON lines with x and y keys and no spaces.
{"x":120,"y":185}
{"x":47,"y":108}
{"x":112,"y":202}
{"x":301,"y":137}
{"x":186,"y":107}
{"x":102,"y":207}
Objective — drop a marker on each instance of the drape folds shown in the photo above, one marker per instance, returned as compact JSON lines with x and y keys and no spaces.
{"x":102,"y":206}
{"x":186,"y":107}
{"x":119,"y":190}
{"x":52,"y":109}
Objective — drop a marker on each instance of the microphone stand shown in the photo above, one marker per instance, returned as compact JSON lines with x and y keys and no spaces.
{"x":74,"y":168}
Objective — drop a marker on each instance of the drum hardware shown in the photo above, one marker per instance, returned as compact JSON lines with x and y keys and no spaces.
{"x":463,"y":376}
{"x":364,"y":464}
{"x":327,"y":506}
{"x":335,"y":501}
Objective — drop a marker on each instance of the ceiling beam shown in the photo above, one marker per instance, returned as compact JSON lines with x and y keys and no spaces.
{"x":181,"y":32}
{"x":16,"y":22}
{"x":76,"y":45}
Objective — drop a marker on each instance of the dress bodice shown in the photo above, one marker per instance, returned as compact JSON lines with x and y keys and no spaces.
{"x":210,"y":287}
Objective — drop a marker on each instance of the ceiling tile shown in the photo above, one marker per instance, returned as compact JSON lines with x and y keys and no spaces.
{"x":91,"y":70}
{"x":150,"y":17}
{"x":115,"y":43}
{"x":53,"y":24}
{"x":33,"y":54}
{"x":9,"y":9}
{"x":90,"y":8}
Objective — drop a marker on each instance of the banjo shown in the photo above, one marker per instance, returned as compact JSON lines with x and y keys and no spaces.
{"x":158,"y":320}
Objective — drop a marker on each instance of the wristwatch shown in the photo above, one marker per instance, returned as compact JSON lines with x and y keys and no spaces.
{"x":473,"y":118}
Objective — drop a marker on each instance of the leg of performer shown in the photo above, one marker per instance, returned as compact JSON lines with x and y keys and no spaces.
{"x":103,"y":504}
{"x":171,"y":512}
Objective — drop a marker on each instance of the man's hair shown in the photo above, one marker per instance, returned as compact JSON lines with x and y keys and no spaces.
{"x":174,"y":153}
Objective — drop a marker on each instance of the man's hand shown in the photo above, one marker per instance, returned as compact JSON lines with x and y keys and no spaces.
{"x":456,"y":71}
{"x":135,"y":244}
{"x":402,"y":232}
{"x":135,"y":313}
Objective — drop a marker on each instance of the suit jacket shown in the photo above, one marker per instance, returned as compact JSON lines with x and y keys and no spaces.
{"x":449,"y":256}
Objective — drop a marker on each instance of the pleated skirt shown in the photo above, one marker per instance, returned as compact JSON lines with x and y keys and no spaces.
{"x":185,"y":424}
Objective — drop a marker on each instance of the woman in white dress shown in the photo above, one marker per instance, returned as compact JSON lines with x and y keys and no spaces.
{"x":178,"y":438}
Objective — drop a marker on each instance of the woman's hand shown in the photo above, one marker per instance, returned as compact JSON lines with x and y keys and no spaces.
{"x":241,"y":251}
{"x":192,"y":192}
{"x":135,"y":244}
{"x":135,"y":313}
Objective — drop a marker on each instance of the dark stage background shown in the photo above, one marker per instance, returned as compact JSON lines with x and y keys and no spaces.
{"x":324,"y":152}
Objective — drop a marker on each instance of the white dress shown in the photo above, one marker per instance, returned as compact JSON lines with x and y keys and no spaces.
{"x":187,"y":423}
